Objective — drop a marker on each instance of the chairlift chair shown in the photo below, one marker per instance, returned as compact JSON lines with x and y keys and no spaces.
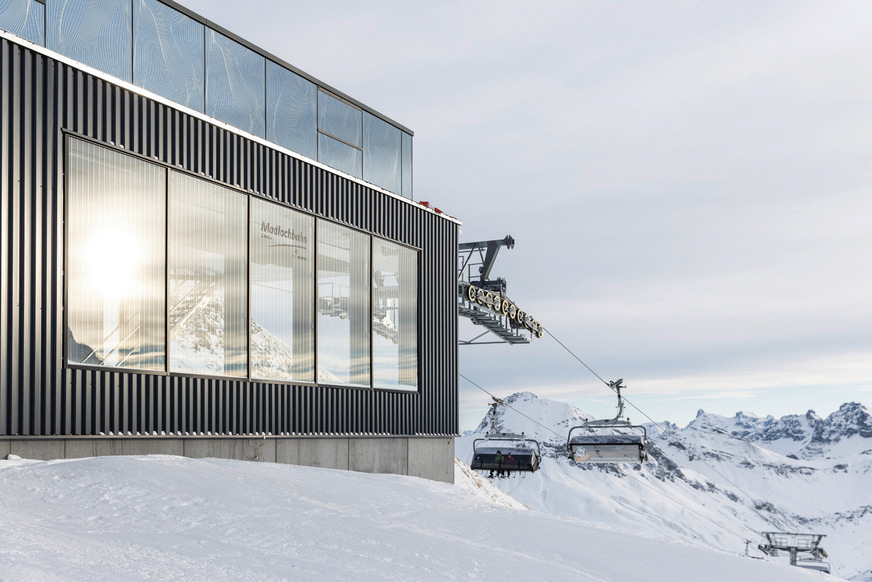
{"x":614,"y":440}
{"x":505,"y":451}
{"x":812,"y":564}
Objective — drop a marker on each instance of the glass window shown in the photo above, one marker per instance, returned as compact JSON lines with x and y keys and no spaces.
{"x":339,"y":119}
{"x":338,"y":155}
{"x":343,"y":305}
{"x":291,"y":109}
{"x":168,"y":53}
{"x":115,"y":263}
{"x":381,"y":153}
{"x":25,"y":18}
{"x":97,"y":33}
{"x":407,"y":165}
{"x":235,"y":84}
{"x":208,"y":321}
{"x":394,"y":316}
{"x":282,"y":293}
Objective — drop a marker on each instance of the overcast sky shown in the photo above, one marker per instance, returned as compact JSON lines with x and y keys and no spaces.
{"x":688,"y":183}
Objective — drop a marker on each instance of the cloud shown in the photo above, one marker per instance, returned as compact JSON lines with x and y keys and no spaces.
{"x":688,"y":183}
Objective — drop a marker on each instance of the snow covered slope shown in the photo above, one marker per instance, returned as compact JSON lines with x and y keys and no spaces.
{"x":172,"y":518}
{"x":717,"y":482}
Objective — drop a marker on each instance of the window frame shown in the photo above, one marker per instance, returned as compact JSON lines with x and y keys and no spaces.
{"x":68,"y":135}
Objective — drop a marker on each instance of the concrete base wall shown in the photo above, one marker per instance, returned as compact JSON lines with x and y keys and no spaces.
{"x":427,"y":457}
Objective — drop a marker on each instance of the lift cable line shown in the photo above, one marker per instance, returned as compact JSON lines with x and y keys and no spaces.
{"x":662,"y":429}
{"x":551,"y":430}
{"x":571,"y":353}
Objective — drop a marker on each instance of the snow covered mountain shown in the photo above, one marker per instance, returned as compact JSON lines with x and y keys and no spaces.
{"x":717,"y":482}
{"x":844,"y":432}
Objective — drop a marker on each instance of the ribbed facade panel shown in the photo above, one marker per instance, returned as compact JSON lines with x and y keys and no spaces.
{"x":43,"y":98}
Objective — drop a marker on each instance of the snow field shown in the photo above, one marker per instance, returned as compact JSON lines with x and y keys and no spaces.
{"x":173,"y":518}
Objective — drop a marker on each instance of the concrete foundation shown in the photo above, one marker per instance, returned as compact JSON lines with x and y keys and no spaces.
{"x":427,"y":457}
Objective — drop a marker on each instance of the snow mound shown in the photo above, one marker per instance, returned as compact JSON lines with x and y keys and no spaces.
{"x":478,"y":485}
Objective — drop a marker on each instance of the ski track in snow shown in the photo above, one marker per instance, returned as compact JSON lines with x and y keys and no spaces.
{"x":172,"y":518}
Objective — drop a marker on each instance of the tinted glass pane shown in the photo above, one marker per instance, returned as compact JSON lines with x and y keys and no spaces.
{"x":25,"y":18}
{"x":97,"y":33}
{"x":381,"y":153}
{"x":115,"y":264}
{"x":208,"y":321}
{"x":394,"y":316}
{"x":282,"y":293}
{"x":338,"y":155}
{"x":291,"y":110}
{"x":343,"y":305}
{"x":235,"y":84}
{"x":168,"y":53}
{"x":407,"y":165}
{"x":339,"y":119}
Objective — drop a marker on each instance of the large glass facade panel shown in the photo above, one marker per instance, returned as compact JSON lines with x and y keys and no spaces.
{"x":168,"y":53}
{"x":235,"y":84}
{"x":394,"y":316}
{"x":381,"y":153}
{"x":291,"y":111}
{"x":338,"y":155}
{"x":115,"y":264}
{"x":343,"y":305}
{"x":282,"y":293}
{"x":95,"y":32}
{"x":25,"y":18}
{"x":407,"y":165}
{"x":339,"y":119}
{"x":207,"y":280}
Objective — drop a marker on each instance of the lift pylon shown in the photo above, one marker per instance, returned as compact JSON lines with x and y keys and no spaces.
{"x":795,"y":544}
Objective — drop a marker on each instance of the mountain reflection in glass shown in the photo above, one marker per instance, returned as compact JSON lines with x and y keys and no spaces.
{"x":291,"y":110}
{"x":115,"y":264}
{"x":338,"y":155}
{"x":381,"y":153}
{"x":407,"y":165}
{"x":235,"y":84}
{"x":339,"y":119}
{"x":394,"y":316}
{"x":343,"y":305}
{"x":282,"y":293}
{"x":208,"y":321}
{"x":24,"y":18}
{"x":97,"y":33}
{"x":168,"y":53}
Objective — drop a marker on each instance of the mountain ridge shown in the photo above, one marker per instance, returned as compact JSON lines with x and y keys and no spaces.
{"x":717,"y":482}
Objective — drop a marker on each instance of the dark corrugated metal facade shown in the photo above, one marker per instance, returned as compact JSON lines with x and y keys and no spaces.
{"x":41,"y":99}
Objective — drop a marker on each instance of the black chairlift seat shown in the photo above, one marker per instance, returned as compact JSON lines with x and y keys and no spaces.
{"x":505,"y":453}
{"x":608,"y":448}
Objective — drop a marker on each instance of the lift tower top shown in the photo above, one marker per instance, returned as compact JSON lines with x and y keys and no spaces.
{"x":483,"y":300}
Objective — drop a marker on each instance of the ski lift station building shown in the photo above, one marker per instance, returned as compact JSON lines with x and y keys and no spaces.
{"x":207,"y":252}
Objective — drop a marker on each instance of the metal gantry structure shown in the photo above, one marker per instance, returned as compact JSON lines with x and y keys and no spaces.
{"x":483,"y":300}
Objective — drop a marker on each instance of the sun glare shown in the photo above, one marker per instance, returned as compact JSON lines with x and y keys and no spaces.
{"x":112,"y":260}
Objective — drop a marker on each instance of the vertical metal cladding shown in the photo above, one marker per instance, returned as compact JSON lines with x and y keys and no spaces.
{"x":40,"y":100}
